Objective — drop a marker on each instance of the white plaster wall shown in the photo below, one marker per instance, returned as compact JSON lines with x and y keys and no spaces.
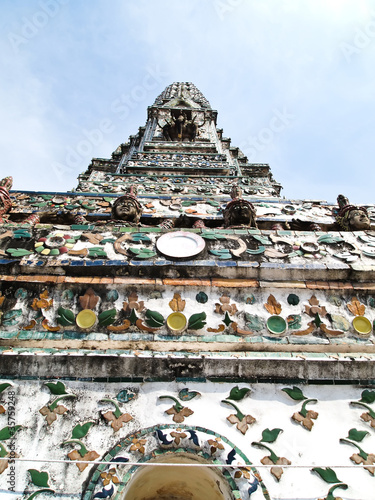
{"x":271,"y":407}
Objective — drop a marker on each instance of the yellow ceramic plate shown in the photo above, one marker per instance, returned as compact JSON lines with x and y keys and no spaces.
{"x":176,"y":322}
{"x":86,"y":318}
{"x":362,"y":325}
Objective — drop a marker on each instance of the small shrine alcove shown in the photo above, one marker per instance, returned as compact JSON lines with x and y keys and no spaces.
{"x":188,"y":480}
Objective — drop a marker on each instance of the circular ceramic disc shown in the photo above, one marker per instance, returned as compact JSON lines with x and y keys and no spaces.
{"x":276,"y":325}
{"x":180,"y":244}
{"x":362,"y":325}
{"x":310,"y":247}
{"x":86,"y":318}
{"x":176,"y":322}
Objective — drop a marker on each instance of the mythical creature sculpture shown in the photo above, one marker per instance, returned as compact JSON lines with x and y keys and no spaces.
{"x":350,"y":217}
{"x":181,"y":128}
{"x":127,"y":208}
{"x":5,"y":201}
{"x":240,"y":212}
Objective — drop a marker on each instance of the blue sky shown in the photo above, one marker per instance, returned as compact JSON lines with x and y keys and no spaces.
{"x":293,"y":82}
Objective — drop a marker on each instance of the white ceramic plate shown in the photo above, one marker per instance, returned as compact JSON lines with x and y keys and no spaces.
{"x":180,"y":244}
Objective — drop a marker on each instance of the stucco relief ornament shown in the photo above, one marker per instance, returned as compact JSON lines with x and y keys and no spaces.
{"x":5,"y":201}
{"x":316,"y":311}
{"x":242,"y":421}
{"x":355,"y":436}
{"x":51,"y":411}
{"x":350,"y":217}
{"x":116,"y":418}
{"x":178,"y":411}
{"x":224,"y":308}
{"x":215,"y":445}
{"x":329,"y":476}
{"x":82,"y":455}
{"x":304,"y":417}
{"x":368,"y":397}
{"x":138,"y":445}
{"x":270,"y":436}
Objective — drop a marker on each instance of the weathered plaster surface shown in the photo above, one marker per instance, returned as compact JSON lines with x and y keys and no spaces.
{"x":267,"y":403}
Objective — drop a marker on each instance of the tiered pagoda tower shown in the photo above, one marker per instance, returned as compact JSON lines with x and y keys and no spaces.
{"x":180,"y":153}
{"x":173,"y":328}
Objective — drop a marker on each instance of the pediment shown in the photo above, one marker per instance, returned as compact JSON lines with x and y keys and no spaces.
{"x":178,"y":102}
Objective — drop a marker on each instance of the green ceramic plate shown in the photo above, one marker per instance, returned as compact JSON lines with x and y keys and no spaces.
{"x":276,"y":325}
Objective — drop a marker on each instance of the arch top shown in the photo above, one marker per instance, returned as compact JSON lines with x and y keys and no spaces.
{"x":208,"y":465}
{"x":178,"y":482}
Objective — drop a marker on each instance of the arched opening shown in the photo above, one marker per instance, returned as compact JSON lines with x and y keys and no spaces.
{"x":176,"y":482}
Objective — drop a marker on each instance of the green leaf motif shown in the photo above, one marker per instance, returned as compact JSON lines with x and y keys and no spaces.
{"x":39,"y":478}
{"x":80,"y":431}
{"x":237,"y":394}
{"x":295,"y":393}
{"x":356,"y":435}
{"x":227,"y":319}
{"x":368,"y":396}
{"x":213,"y":236}
{"x":18,"y":252}
{"x":154,"y":319}
{"x":143,"y":253}
{"x":140,"y":237}
{"x":177,"y":406}
{"x":269,"y":436}
{"x":264,"y":240}
{"x":330,"y":239}
{"x":125,"y":396}
{"x":107,"y":317}
{"x":186,"y":395}
{"x":133,"y":317}
{"x":328,"y":475}
{"x":223,"y":253}
{"x":331,"y":496}
{"x":57,"y":388}
{"x":36,"y":493}
{"x":39,"y":205}
{"x":107,"y":240}
{"x":8,"y":432}
{"x":197,"y":321}
{"x":21,"y":233}
{"x":4,"y":386}
{"x":317,"y":321}
{"x":66,"y":317}
{"x":97,"y":252}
